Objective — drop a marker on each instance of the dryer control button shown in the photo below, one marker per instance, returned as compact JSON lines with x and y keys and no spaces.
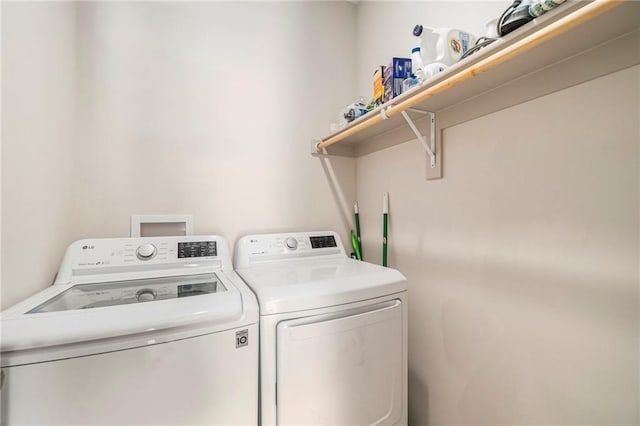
{"x":146,"y":251}
{"x":291,"y":243}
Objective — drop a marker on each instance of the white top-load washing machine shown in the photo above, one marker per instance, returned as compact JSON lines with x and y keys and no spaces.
{"x":134,"y":331}
{"x":333,"y":332}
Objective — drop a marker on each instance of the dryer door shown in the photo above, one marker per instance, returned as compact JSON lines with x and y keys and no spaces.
{"x":342,"y":368}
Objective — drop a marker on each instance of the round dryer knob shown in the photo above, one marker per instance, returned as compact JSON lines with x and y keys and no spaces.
{"x":291,"y":243}
{"x":146,"y":251}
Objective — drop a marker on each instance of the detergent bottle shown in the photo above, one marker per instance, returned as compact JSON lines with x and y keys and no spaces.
{"x":416,"y":63}
{"x":443,"y":46}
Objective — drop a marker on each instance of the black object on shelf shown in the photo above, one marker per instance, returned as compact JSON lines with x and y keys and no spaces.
{"x":516,"y":15}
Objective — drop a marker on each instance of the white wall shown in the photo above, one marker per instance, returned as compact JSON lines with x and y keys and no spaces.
{"x":38,"y":110}
{"x":523,"y":262}
{"x":208,"y":108}
{"x":205,"y":108}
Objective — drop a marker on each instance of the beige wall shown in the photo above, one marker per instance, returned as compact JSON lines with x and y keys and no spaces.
{"x":205,"y":108}
{"x":38,"y":145}
{"x":523,"y":262}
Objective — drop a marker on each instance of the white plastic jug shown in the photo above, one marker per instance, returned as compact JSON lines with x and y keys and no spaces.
{"x":443,"y":45}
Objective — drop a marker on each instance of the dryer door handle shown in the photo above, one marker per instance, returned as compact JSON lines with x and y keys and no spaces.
{"x":304,"y":328}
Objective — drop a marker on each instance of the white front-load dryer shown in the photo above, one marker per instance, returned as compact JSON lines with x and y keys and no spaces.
{"x":134,"y":331}
{"x":333,"y":332}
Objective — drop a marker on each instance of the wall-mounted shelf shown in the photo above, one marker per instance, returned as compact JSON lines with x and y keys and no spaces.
{"x":560,"y":36}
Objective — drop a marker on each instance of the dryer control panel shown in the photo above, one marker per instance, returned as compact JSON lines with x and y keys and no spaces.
{"x":256,"y":248}
{"x":323,"y":241}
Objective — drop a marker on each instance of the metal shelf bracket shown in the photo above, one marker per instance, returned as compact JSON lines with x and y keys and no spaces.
{"x":316,"y":151}
{"x":431,"y":147}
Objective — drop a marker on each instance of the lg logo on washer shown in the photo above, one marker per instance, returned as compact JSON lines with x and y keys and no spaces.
{"x":242,"y":338}
{"x":88,"y":247}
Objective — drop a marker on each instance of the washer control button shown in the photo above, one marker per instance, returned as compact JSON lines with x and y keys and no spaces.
{"x":146,"y":295}
{"x":291,"y":243}
{"x":146,"y":251}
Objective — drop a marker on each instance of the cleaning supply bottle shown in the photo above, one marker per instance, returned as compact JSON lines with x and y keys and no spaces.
{"x":355,"y":110}
{"x":444,"y":45}
{"x":421,"y":71}
{"x":416,"y":63}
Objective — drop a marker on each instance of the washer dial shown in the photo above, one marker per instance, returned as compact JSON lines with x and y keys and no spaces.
{"x":146,"y":251}
{"x":291,"y":243}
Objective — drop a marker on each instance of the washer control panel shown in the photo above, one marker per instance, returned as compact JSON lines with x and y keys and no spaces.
{"x":197,"y":249}
{"x":132,"y":251}
{"x":95,"y":256}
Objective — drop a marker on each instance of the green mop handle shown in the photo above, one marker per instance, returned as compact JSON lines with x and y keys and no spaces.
{"x":357,"y":216}
{"x":385,"y":219}
{"x":356,"y":245}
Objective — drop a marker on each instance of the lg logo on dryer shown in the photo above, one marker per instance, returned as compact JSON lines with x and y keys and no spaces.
{"x":242,"y":338}
{"x":88,"y":247}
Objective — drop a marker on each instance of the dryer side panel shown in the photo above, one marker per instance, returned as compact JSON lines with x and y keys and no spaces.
{"x":342,"y":368}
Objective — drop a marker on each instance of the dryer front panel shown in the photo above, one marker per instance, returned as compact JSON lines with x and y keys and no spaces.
{"x":342,"y":368}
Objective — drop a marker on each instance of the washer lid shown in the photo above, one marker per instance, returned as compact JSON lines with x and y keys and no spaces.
{"x":98,"y":295}
{"x":66,"y":314}
{"x":316,"y":283}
